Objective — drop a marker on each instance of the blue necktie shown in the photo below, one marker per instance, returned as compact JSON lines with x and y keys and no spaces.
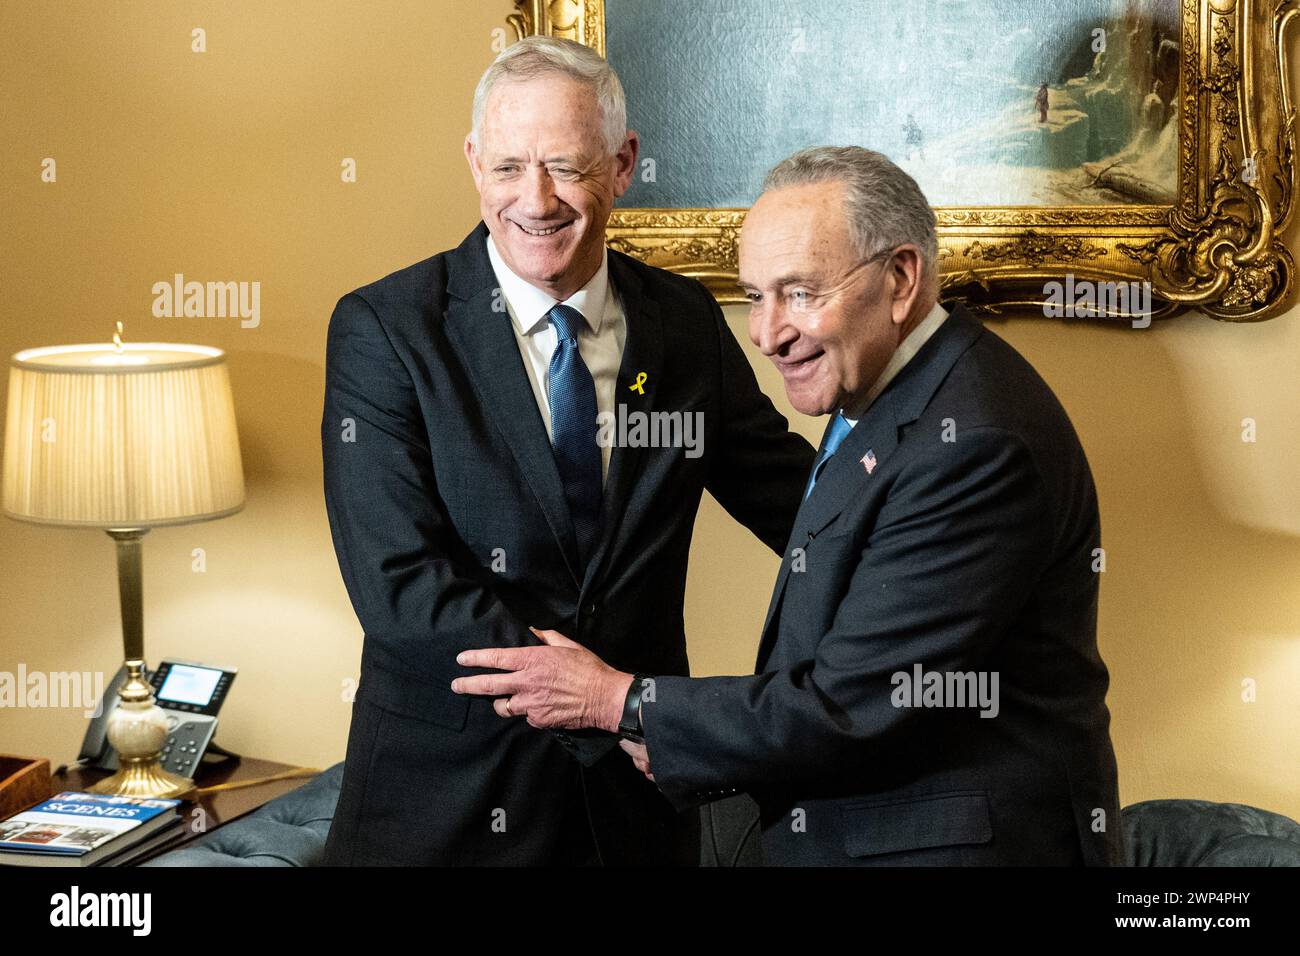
{"x":572,"y":394}
{"x":836,"y":432}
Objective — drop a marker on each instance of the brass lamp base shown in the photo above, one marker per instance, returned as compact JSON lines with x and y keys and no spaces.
{"x":137,"y":729}
{"x":144,"y":777}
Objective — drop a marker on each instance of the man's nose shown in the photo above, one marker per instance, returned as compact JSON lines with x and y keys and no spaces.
{"x":538,"y":194}
{"x":769,"y":328}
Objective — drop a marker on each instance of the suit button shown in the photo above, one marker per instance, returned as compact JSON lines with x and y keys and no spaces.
{"x":592,"y":609}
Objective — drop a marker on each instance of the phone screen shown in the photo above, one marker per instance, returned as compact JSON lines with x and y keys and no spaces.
{"x":187,"y":684}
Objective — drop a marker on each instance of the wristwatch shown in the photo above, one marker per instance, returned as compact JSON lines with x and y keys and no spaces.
{"x":629,"y":728}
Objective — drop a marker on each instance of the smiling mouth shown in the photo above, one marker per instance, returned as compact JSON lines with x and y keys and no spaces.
{"x":799,"y":366}
{"x":539,"y":233}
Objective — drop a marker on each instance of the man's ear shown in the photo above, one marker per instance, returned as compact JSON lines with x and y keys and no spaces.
{"x":907,"y":272}
{"x":625,"y":163}
{"x":471,"y":157}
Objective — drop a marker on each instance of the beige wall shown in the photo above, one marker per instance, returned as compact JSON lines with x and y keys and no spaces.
{"x":225,"y":165}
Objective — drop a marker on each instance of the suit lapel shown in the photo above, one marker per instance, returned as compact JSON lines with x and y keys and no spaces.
{"x":876,"y":431}
{"x":485,"y":342}
{"x":643,"y":351}
{"x":846,"y":473}
{"x":845,"y":476}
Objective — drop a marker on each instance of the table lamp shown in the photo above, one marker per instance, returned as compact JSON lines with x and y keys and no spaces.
{"x":124,"y":437}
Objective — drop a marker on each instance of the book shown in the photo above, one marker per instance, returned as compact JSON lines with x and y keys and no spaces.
{"x":161,"y":839}
{"x":85,"y":829}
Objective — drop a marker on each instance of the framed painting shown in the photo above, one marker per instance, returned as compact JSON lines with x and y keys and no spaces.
{"x":1143,"y":145}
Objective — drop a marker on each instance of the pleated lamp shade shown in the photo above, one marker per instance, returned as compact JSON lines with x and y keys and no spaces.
{"x":136,"y":436}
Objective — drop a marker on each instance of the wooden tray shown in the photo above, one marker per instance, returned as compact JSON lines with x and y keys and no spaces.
{"x":24,"y":781}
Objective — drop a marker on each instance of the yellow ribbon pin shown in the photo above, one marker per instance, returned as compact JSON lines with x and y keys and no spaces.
{"x":637,"y":386}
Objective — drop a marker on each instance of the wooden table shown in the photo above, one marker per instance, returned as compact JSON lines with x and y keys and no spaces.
{"x":218,"y":808}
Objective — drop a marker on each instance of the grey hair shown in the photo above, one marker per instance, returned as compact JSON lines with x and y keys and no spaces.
{"x":541,"y":55}
{"x":886,"y":207}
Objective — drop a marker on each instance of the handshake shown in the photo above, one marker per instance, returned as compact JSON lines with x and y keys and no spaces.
{"x":559,"y":685}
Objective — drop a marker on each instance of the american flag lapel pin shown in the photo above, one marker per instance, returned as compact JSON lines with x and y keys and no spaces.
{"x":869,"y":461}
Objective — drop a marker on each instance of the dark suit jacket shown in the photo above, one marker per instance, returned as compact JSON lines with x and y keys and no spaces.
{"x":452,"y":532}
{"x":967,"y":555}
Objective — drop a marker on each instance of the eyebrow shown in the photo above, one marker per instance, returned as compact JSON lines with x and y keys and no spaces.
{"x":551,"y":159}
{"x":785,"y":280}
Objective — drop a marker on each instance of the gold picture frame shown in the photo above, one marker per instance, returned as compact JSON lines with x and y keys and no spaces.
{"x":1217,"y":248}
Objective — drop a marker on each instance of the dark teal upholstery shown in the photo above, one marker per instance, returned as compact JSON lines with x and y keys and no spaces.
{"x":1201,"y":833}
{"x":288,"y":831}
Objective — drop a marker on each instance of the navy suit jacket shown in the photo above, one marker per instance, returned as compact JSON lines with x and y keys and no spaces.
{"x":452,"y":532}
{"x":967,"y":548}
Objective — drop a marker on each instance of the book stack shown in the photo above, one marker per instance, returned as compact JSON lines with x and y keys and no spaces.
{"x":88,"y":829}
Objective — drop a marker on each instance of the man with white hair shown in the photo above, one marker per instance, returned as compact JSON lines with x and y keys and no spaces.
{"x":469,"y":495}
{"x":928,"y":686}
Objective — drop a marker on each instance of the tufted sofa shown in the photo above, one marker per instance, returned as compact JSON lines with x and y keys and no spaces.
{"x":291,"y":831}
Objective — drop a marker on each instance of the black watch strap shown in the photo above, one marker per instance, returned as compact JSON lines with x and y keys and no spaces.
{"x":629,"y":728}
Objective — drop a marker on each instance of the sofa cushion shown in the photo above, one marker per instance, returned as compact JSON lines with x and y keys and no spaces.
{"x":288,"y":831}
{"x":1202,"y":833}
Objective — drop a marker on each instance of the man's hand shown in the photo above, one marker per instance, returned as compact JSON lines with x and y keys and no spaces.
{"x":639,"y":756}
{"x":560,"y":684}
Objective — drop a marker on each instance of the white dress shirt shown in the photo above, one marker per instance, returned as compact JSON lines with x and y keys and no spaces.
{"x":600,"y":339}
{"x":905,"y":352}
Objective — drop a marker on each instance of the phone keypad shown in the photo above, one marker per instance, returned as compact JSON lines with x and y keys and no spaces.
{"x":184,"y":747}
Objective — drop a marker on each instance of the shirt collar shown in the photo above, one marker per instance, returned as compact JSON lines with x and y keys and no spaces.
{"x":528,"y":305}
{"x":905,"y":352}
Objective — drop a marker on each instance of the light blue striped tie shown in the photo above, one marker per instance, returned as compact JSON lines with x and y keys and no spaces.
{"x":836,"y":432}
{"x":572,"y":395}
